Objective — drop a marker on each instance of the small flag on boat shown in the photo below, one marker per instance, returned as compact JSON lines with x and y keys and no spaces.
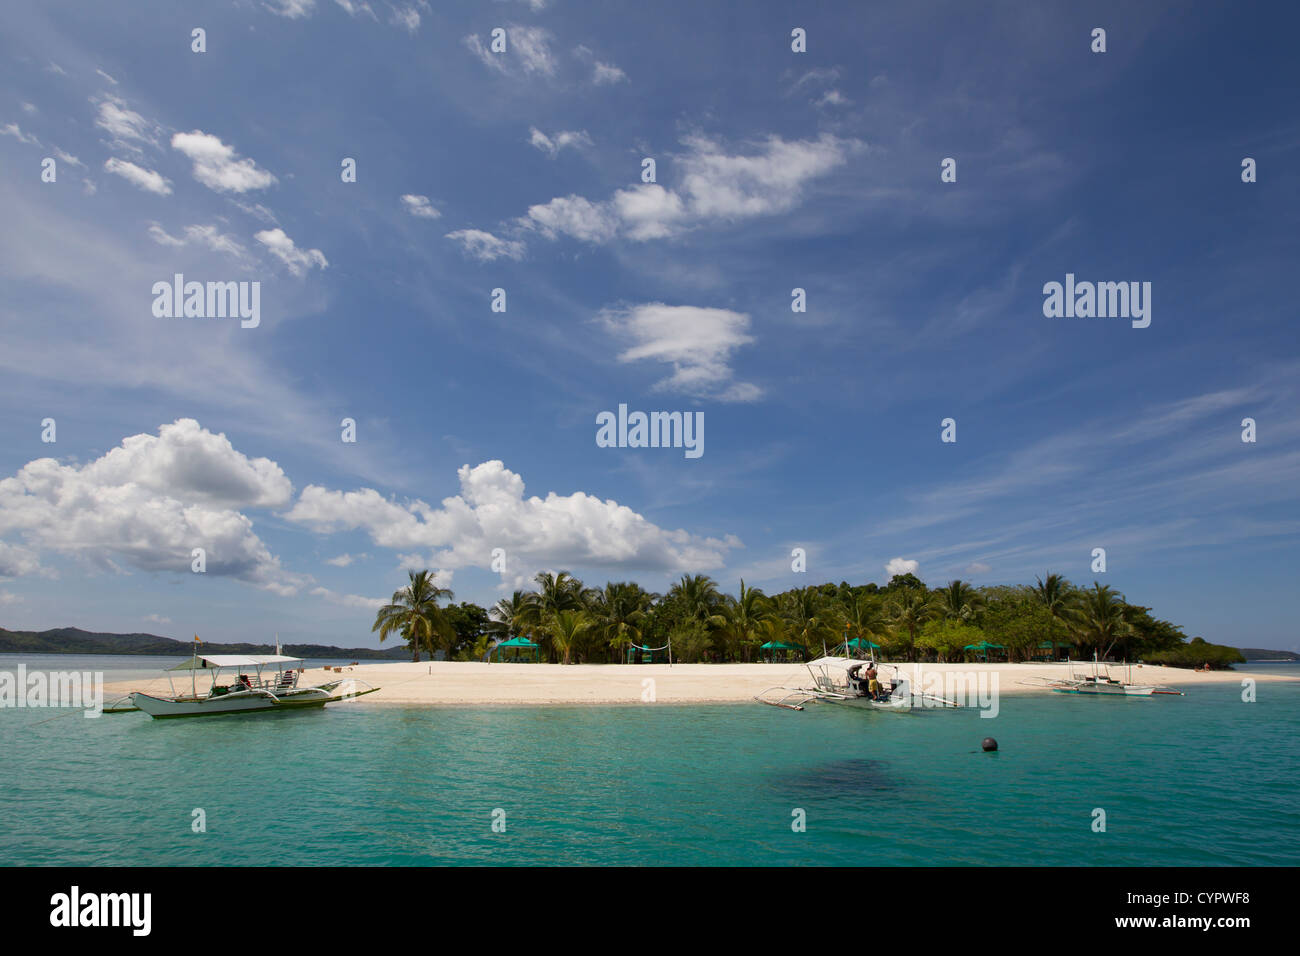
{"x":196,"y":639}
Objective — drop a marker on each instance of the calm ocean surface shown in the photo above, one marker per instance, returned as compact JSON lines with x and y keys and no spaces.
{"x":1197,"y":780}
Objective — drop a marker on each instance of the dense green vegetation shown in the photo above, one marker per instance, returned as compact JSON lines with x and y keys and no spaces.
{"x":909,"y":621}
{"x":1198,"y":653}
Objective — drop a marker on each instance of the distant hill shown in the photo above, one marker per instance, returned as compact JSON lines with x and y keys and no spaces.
{"x":73,"y":640}
{"x":1259,"y":654}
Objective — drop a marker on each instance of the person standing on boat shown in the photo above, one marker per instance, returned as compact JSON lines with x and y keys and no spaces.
{"x":873,"y":683}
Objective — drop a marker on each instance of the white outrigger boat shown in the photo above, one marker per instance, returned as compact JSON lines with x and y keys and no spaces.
{"x":838,"y":680}
{"x":263,"y":683}
{"x":1098,"y":683}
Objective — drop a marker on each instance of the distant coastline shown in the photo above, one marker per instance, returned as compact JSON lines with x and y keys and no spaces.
{"x":1257,"y":655}
{"x":73,"y":640}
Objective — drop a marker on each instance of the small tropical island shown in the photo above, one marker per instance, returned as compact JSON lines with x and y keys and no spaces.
{"x":565,"y":621}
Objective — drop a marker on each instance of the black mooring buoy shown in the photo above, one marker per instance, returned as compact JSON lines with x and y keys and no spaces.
{"x":989,"y":745}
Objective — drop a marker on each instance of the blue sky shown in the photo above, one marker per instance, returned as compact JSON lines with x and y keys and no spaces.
{"x":775,"y":170}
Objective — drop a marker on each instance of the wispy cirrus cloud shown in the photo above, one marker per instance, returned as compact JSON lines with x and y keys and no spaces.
{"x":717,"y":187}
{"x":486,"y":247}
{"x":697,"y":342}
{"x":292,"y":9}
{"x":420,"y":206}
{"x":129,"y":130}
{"x":527,"y":51}
{"x":207,"y":236}
{"x":14,"y":130}
{"x":552,"y":145}
{"x":138,"y":176}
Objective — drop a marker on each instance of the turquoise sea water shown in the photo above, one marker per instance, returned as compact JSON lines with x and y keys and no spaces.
{"x":1197,"y":780}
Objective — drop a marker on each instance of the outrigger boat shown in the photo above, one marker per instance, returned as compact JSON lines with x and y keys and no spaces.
{"x":263,"y":682}
{"x":1098,"y":683}
{"x":838,"y":680}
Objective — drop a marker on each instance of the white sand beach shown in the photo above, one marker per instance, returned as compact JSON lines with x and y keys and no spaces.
{"x":455,"y":682}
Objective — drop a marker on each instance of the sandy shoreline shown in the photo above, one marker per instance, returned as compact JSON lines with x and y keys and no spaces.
{"x":471,"y":683}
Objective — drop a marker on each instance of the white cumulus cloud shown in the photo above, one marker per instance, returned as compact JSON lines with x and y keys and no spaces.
{"x":492,"y":511}
{"x":148,"y":503}
{"x":297,"y":261}
{"x":572,"y":216}
{"x":901,"y":566}
{"x":218,"y":166}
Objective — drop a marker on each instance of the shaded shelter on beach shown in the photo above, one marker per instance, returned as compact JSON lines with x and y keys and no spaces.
{"x":773,"y":646}
{"x":518,"y":646}
{"x":1050,"y":647}
{"x":983,"y":647}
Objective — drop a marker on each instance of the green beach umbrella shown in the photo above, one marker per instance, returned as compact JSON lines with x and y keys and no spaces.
{"x":983,"y":647}
{"x":518,"y":642}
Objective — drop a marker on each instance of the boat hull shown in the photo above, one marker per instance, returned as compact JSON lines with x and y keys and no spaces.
{"x":249,"y":702}
{"x":1105,"y":690}
{"x":162,"y":707}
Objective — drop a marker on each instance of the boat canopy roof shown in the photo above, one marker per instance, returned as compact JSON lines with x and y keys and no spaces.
{"x":844,"y":663}
{"x":840,"y":662}
{"x":203,"y":661}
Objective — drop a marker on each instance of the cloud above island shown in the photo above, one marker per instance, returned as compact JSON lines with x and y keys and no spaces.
{"x":146,"y":504}
{"x":491,"y":511}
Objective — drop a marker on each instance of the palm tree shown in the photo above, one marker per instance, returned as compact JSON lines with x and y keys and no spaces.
{"x":414,"y":613}
{"x":863,"y":616}
{"x":618,"y":613}
{"x":1101,"y":618}
{"x":566,"y":629}
{"x":744,"y":615}
{"x":909,"y":611}
{"x":772,"y":629}
{"x":558,"y":592}
{"x":1058,"y":597}
{"x":810,"y":619}
{"x":958,"y":602}
{"x":699,"y":595}
{"x":510,"y":615}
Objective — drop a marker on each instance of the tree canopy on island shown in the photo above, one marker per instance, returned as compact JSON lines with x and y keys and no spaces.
{"x":906,"y":619}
